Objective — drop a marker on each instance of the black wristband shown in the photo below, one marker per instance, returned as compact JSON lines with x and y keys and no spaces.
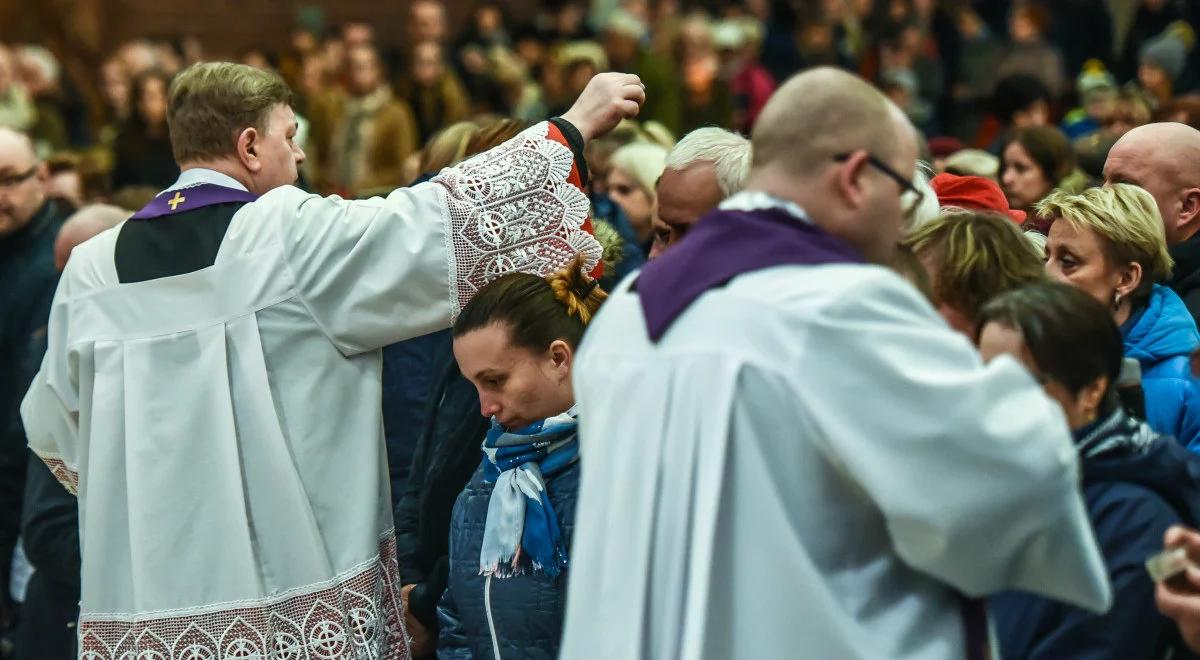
{"x":575,"y":142}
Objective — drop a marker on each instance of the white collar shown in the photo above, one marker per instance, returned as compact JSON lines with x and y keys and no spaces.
{"x":756,"y":200}
{"x":197,"y":175}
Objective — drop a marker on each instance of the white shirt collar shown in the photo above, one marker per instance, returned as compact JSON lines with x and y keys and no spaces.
{"x":756,"y":200}
{"x":198,"y":175}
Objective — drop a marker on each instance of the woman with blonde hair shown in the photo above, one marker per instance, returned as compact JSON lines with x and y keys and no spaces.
{"x":1109,"y":242}
{"x":511,"y":526}
{"x":632,"y":178}
{"x":970,"y":258}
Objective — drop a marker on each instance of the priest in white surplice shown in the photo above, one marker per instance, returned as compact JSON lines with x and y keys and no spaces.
{"x":212,"y":384}
{"x":786,"y":452}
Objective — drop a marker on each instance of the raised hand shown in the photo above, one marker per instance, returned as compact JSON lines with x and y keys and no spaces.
{"x":607,"y":99}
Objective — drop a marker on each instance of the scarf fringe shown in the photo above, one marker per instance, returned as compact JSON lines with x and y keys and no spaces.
{"x":510,"y":568}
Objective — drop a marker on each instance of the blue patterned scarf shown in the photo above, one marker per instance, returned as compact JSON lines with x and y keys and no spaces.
{"x":520,"y":520}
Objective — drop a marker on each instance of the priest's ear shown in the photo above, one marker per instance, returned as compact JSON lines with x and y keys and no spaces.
{"x":848,"y":181}
{"x":248,"y":145}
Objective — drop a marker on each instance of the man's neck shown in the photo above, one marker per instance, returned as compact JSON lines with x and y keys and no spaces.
{"x":224,"y":167}
{"x":789,"y":189}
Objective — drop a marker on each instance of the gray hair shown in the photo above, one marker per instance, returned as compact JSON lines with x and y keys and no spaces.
{"x":929,"y":209}
{"x":728,"y":152}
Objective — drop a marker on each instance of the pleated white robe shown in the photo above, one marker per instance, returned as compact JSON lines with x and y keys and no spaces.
{"x":223,"y":427}
{"x":811,"y":464}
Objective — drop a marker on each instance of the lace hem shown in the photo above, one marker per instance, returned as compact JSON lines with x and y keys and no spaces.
{"x":511,"y":209}
{"x":65,"y":475}
{"x":357,"y":616}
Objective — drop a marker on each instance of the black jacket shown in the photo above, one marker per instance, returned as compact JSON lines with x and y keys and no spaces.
{"x":50,"y":536}
{"x":410,"y":371}
{"x":1132,"y":498}
{"x":1186,"y":278}
{"x":142,"y":159}
{"x":27,"y":283}
{"x":447,"y":453}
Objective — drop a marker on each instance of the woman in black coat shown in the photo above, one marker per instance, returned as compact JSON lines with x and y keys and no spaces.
{"x":142,"y":152}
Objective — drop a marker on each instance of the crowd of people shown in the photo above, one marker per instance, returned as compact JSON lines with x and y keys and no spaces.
{"x":624,"y":329}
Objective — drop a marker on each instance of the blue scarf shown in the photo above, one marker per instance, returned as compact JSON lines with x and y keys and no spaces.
{"x":520,"y":519}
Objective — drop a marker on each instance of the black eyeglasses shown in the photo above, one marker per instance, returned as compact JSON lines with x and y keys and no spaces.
{"x":7,"y":181}
{"x":905,"y":184}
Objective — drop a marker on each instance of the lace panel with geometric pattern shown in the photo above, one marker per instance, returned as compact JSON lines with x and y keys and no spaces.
{"x":512,"y":210}
{"x":355,"y":616}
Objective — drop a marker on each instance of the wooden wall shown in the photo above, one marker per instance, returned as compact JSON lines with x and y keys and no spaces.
{"x":222,"y":25}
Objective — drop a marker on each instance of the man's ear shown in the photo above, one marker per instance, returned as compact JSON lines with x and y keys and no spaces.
{"x":247,"y":149}
{"x":848,"y":177}
{"x":1188,"y":222}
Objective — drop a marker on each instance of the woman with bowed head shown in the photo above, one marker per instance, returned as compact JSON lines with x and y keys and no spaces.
{"x":1136,"y":483}
{"x":511,"y":526}
{"x":1109,"y":242}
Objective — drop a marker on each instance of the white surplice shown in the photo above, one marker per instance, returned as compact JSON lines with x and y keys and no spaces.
{"x":811,"y":464}
{"x":223,"y":427}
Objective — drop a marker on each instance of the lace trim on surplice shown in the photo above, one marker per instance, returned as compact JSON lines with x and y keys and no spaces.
{"x":512,"y":210}
{"x":355,"y":616}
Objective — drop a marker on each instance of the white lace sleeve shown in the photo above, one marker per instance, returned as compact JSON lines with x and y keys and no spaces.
{"x":511,"y":209}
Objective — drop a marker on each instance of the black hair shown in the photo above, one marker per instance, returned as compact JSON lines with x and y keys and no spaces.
{"x":1016,"y":93}
{"x":136,"y":87}
{"x":1048,"y":147}
{"x":1071,"y":336}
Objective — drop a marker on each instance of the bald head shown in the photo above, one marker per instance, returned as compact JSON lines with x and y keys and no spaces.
{"x":1163,"y":158}
{"x":82,"y":226}
{"x":819,"y":114}
{"x":16,"y":144}
{"x":832,"y":143}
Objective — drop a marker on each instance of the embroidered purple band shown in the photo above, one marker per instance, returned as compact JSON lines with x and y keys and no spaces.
{"x":723,"y":245}
{"x":171,"y":202}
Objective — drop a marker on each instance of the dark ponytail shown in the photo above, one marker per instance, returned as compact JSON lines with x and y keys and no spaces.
{"x":537,"y":310}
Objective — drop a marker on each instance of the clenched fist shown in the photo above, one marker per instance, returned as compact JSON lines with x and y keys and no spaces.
{"x":607,"y":99}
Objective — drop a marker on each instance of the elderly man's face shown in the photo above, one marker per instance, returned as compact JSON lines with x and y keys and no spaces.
{"x":683,"y":196}
{"x":22,"y":183}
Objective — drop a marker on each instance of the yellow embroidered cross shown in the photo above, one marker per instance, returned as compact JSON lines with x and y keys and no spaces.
{"x":176,"y":200}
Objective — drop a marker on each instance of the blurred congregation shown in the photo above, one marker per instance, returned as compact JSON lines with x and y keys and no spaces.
{"x":372,"y":96}
{"x":1058,"y":143}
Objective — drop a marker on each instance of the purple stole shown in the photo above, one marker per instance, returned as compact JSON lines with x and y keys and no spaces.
{"x":725,"y":244}
{"x":180,"y":200}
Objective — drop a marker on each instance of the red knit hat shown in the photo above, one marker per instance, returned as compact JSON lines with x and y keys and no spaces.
{"x":975,"y":193}
{"x":942,"y":146}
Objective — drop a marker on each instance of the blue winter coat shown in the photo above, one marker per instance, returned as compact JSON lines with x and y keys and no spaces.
{"x":526,"y":610}
{"x":1161,"y":337}
{"x":1132,"y":498}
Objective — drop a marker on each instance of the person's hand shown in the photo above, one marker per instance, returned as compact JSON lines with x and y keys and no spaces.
{"x":607,"y":99}
{"x":1179,"y":598}
{"x":422,"y":643}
